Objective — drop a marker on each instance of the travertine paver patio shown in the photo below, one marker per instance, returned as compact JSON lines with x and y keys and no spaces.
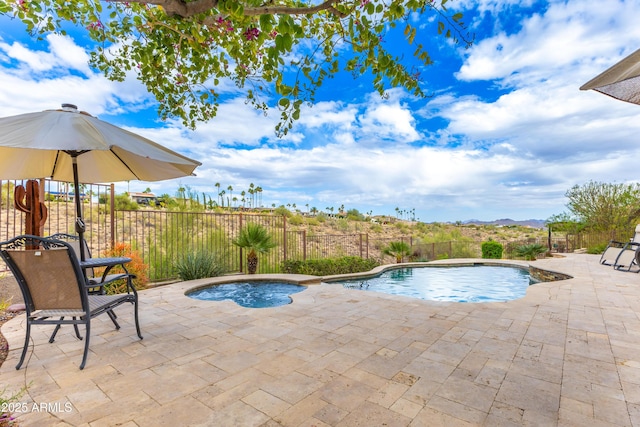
{"x":567,"y":354}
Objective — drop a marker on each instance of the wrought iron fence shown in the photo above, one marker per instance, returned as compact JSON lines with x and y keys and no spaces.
{"x":162,"y":237}
{"x":58,"y":198}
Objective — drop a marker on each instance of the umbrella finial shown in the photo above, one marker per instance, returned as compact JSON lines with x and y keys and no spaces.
{"x":70,"y":107}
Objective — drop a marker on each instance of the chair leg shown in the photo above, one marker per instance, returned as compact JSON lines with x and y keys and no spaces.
{"x":75,"y":326}
{"x":113,"y":316}
{"x":26,"y":345}
{"x":55,"y":331}
{"x":86,"y":343}
{"x":135,"y":314}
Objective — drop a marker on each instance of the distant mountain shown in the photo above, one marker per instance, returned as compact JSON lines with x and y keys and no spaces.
{"x":534,"y":223}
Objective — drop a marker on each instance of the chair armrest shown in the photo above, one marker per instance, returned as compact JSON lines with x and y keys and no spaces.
{"x":617,"y":244}
{"x":95,"y":285}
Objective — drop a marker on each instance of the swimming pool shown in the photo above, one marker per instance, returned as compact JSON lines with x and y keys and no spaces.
{"x":259,"y":294}
{"x":480,"y":283}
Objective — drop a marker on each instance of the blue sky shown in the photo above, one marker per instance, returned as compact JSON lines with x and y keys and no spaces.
{"x":504,"y":133}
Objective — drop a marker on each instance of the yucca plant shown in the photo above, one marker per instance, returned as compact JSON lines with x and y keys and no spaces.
{"x":397,"y":249}
{"x":256,"y":240}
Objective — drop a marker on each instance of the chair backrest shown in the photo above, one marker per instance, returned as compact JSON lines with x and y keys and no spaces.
{"x":74,"y":242}
{"x":636,"y":237}
{"x":50,"y":277}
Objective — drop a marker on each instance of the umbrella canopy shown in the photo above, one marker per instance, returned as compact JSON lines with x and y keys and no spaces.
{"x":43,"y":144}
{"x":69,"y":145}
{"x":622,"y":81}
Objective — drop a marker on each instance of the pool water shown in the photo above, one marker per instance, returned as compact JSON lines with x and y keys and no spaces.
{"x":459,"y":284}
{"x":250,"y":294}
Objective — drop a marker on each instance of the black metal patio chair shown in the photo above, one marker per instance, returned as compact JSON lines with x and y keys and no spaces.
{"x":55,"y":290}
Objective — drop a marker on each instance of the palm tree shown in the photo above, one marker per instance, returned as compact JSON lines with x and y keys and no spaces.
{"x":217,"y":185}
{"x":252,"y":192}
{"x":222,"y":193}
{"x":230,"y":188}
{"x":259,"y":193}
{"x":255,"y":239}
{"x":397,"y":249}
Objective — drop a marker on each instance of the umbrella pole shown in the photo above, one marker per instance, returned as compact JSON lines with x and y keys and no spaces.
{"x":80,"y":227}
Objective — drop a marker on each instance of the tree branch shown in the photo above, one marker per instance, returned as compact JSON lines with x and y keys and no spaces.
{"x":188,"y":9}
{"x":181,"y":7}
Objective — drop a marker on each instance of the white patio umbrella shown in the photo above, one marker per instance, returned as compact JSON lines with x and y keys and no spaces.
{"x":71,"y":145}
{"x":621,"y":81}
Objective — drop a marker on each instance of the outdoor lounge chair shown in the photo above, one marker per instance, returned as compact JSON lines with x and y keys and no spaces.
{"x":55,"y":290}
{"x":615,"y":249}
{"x":629,"y":257}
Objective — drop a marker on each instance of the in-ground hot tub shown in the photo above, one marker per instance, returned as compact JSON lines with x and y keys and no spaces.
{"x":251,"y":294}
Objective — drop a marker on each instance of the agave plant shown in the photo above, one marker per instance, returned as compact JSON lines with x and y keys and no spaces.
{"x":199,"y":265}
{"x":397,"y":249}
{"x":255,"y":239}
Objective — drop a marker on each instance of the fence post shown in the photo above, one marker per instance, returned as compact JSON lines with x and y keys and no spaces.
{"x":284,"y":236}
{"x":367,"y":246}
{"x":112,"y":214}
{"x":239,"y":231}
{"x":304,"y":245}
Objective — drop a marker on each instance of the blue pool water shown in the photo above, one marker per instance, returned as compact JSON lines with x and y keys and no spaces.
{"x":250,"y":294}
{"x":459,"y":284}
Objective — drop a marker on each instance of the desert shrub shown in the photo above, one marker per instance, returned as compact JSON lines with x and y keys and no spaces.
{"x":342,"y":225}
{"x":376,"y":228}
{"x":312,"y":221}
{"x":597,"y":249}
{"x":6,"y":194}
{"x":282,"y":211}
{"x":296,"y":220}
{"x":122,"y":202}
{"x":321,"y":217}
{"x":329,"y":266}
{"x":199,"y":265}
{"x":136,"y":267}
{"x":4,"y":304}
{"x":464,"y":250}
{"x":354,"y":215}
{"x":404,"y":228}
{"x":492,"y":250}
